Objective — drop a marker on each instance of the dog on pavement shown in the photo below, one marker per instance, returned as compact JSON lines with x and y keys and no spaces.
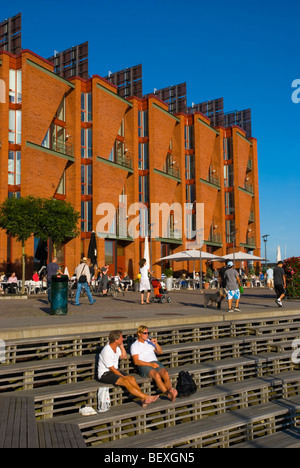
{"x":212,"y":298}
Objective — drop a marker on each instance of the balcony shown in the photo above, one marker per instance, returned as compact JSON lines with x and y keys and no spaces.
{"x":62,"y":147}
{"x":171,"y":235}
{"x":215,"y":238}
{"x":119,"y":160}
{"x":249,"y":165}
{"x":251,"y":217}
{"x":124,"y":160}
{"x":248,"y":187}
{"x":250,"y":242}
{"x":172,"y":170}
{"x":213,"y":179}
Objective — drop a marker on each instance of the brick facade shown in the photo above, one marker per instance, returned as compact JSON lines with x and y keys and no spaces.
{"x":89,"y":161}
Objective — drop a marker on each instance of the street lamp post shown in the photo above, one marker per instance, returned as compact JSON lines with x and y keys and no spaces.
{"x":265,"y":238}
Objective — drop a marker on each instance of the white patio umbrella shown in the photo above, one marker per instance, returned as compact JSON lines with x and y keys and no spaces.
{"x":243,"y":256}
{"x":191,"y":255}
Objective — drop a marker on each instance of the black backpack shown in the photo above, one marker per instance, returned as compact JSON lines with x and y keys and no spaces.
{"x":185,"y":384}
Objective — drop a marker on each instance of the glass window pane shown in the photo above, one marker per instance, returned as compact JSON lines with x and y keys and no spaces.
{"x":19,"y":85}
{"x":12,"y":123}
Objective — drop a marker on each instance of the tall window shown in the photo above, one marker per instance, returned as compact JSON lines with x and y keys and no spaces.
{"x":14,"y":168}
{"x":86,"y":179}
{"x":188,"y":137}
{"x":15,"y":119}
{"x":86,"y":142}
{"x":228,"y":175}
{"x":143,"y":156}
{"x":86,"y":216}
{"x":61,"y":188}
{"x":189,"y":166}
{"x":230,"y":230}
{"x":228,"y":148}
{"x":190,"y":193}
{"x":143,"y":124}
{"x":86,"y":107}
{"x":117,"y":152}
{"x":60,"y":114}
{"x":229,"y":203}
{"x":144,"y":189}
{"x":15,"y":86}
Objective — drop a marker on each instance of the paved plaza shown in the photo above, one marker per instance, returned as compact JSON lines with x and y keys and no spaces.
{"x":30,"y":317}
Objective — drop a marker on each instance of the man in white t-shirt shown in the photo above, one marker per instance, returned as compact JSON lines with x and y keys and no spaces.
{"x":108,"y":368}
{"x":143,"y":352}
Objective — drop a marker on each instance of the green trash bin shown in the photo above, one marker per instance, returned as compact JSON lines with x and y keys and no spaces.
{"x":59,"y":295}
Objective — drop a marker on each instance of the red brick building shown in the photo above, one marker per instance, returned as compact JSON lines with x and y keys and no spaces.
{"x":80,"y":141}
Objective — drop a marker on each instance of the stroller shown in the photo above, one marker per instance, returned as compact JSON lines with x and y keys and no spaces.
{"x":160,"y":292}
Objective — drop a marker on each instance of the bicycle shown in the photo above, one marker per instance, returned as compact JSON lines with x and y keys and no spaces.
{"x":112,"y":288}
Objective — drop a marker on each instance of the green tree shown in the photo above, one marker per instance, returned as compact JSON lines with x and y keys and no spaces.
{"x":58,"y":220}
{"x":19,"y":218}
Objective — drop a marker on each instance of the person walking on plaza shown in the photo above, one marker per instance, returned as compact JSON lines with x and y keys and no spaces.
{"x":104,"y":279}
{"x":108,"y":368}
{"x":143,"y":352}
{"x":232,"y":285}
{"x":52,"y":270}
{"x":83,"y":276}
{"x":144,"y":281}
{"x":270,"y":278}
{"x":279,"y":283}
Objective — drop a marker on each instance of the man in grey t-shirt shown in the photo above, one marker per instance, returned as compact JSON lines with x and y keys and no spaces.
{"x":232,"y":285}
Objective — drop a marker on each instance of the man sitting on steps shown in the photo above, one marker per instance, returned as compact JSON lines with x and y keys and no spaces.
{"x":108,"y":372}
{"x":143,"y":352}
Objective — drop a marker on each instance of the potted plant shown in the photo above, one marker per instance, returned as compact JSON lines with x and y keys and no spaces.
{"x":169,"y":274}
{"x":251,"y":272}
{"x":136,"y":284}
{"x":207,"y":278}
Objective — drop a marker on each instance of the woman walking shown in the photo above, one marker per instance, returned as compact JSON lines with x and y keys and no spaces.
{"x":144,"y":281}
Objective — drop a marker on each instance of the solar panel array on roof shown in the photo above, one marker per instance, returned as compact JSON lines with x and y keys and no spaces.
{"x":10,"y":34}
{"x":72,"y":61}
{"x":128,"y":81}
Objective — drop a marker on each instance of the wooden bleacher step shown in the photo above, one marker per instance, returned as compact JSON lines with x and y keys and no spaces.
{"x":222,"y":431}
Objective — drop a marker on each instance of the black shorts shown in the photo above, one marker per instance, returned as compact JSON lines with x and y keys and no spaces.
{"x":279,"y":289}
{"x":110,"y":378}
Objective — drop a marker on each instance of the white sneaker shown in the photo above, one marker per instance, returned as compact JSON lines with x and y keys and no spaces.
{"x":87,"y":411}
{"x":279,"y":303}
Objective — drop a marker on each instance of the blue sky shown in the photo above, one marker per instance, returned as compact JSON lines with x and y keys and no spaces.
{"x":247,"y":54}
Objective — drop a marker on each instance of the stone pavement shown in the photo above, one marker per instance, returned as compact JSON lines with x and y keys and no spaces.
{"x":20,"y":318}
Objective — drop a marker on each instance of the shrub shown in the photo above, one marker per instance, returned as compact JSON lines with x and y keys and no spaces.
{"x":292,"y":270}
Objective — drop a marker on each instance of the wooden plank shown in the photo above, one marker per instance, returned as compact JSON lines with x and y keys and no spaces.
{"x":17,"y":422}
{"x":289,"y":438}
{"x":19,"y":439}
{"x":32,"y":432}
{"x":4,"y":414}
{"x":9,"y":423}
{"x":54,"y":434}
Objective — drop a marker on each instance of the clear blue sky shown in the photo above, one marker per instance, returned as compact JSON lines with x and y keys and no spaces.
{"x":247,"y":54}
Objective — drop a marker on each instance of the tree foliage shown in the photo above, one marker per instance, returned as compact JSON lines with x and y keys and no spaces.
{"x":43,"y":218}
{"x":58,"y":220}
{"x":19,"y":217}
